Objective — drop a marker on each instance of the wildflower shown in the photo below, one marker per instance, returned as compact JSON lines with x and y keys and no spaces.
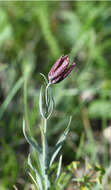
{"x":60,"y":70}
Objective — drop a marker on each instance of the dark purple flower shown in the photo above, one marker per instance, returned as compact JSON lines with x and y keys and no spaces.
{"x":60,"y":70}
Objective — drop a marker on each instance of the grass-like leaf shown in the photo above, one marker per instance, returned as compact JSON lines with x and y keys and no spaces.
{"x":10,"y":96}
{"x":33,"y":180}
{"x":30,"y":141}
{"x":44,"y":77}
{"x":41,"y":104}
{"x":60,"y":143}
{"x":38,"y":177}
{"x":51,"y":106}
{"x":59,"y":167}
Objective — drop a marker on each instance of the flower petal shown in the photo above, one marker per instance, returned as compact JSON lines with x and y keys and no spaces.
{"x":60,"y":70}
{"x":67,"y":72}
{"x":56,"y":65}
{"x":56,"y":80}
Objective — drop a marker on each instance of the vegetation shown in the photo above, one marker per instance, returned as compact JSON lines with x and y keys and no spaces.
{"x":33,"y":35}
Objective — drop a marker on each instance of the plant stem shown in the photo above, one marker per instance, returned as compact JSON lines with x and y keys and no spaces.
{"x":45,"y":144}
{"x":45,"y":155}
{"x":45,"y":126}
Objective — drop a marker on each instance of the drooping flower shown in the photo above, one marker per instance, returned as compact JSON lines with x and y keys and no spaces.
{"x":60,"y":70}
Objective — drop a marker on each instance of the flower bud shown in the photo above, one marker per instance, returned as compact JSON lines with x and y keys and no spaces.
{"x":60,"y":70}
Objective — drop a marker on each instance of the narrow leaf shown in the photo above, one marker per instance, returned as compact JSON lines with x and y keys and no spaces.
{"x":44,"y":77}
{"x":60,"y":143}
{"x":10,"y":96}
{"x":38,"y":178}
{"x":50,"y":108}
{"x":30,"y":141}
{"x":33,"y":179}
{"x":59,"y":167}
{"x":41,"y":104}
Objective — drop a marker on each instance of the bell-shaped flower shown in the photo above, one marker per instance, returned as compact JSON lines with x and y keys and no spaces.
{"x":60,"y":70}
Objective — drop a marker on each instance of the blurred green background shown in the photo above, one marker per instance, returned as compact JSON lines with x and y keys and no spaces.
{"x":32,"y":36}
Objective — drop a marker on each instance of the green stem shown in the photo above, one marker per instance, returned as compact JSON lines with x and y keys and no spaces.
{"x":44,"y":143}
{"x":45,"y":155}
{"x":45,"y":126}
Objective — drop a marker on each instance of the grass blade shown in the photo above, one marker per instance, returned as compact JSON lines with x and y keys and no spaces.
{"x":10,"y":96}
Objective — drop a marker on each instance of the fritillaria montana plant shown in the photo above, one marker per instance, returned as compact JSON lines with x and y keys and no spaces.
{"x":45,"y":158}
